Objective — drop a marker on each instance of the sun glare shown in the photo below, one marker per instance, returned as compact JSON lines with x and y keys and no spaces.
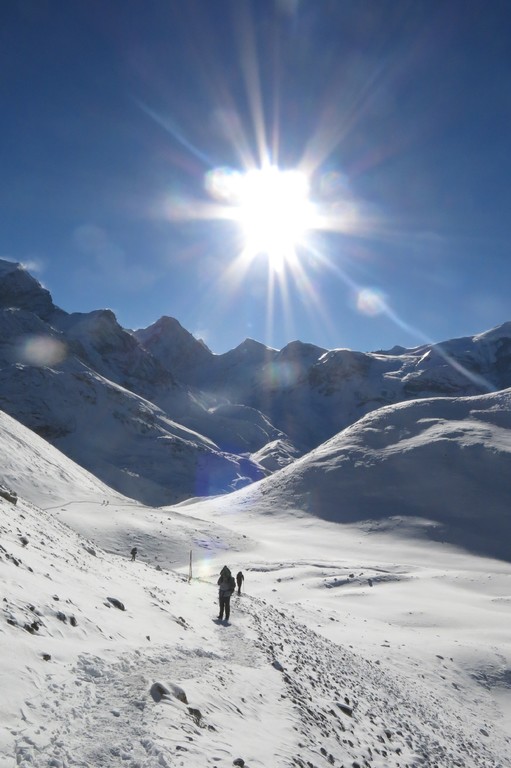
{"x":271,"y":206}
{"x":274,"y":212}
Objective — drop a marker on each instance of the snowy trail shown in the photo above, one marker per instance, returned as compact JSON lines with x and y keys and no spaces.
{"x":101,"y":712}
{"x":266,"y":688}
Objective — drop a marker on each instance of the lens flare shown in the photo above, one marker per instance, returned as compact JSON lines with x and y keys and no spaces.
{"x":281,"y":374}
{"x":223,"y":184}
{"x":371,"y":302}
{"x":41,"y":351}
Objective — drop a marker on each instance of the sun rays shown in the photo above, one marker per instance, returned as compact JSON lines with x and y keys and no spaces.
{"x":283,"y":205}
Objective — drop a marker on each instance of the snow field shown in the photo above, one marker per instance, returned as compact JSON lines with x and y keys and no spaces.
{"x":316,"y":668}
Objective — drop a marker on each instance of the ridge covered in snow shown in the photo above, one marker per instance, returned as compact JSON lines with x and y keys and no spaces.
{"x":440,"y":466}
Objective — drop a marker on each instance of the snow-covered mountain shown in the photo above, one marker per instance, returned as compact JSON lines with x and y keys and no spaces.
{"x":438,"y":466}
{"x":85,"y":384}
{"x":19,"y":289}
{"x":156,"y":415}
{"x":310,"y":393}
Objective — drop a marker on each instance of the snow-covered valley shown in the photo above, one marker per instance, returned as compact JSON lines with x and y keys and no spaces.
{"x":349,"y":645}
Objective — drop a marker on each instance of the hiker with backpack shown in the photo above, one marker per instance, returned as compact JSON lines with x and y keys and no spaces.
{"x":239,"y":581}
{"x":226,"y":586}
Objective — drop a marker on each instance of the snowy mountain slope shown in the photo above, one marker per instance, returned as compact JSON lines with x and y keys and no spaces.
{"x":174,"y":347}
{"x":84,"y":383}
{"x":223,"y":377}
{"x":275,"y":455}
{"x":39,"y":473}
{"x":443,"y":460}
{"x":237,"y":428}
{"x":98,"y":340}
{"x":25,"y":338}
{"x":126,"y":441}
{"x":106,"y":650}
{"x":310,"y":393}
{"x":341,"y":386}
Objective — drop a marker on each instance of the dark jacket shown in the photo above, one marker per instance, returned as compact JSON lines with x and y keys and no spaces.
{"x":226,"y":583}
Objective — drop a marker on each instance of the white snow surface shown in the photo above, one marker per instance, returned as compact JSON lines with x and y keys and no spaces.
{"x":350,"y":645}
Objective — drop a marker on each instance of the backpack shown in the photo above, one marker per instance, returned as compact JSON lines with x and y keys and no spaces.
{"x":232,"y":583}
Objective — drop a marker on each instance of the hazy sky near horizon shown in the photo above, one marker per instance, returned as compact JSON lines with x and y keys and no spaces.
{"x":114,"y":116}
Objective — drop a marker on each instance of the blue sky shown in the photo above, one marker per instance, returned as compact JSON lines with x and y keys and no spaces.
{"x":114,"y":113}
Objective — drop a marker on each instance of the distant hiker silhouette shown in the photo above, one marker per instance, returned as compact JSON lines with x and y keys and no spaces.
{"x":133,"y":553}
{"x":226,"y":586}
{"x":239,"y":581}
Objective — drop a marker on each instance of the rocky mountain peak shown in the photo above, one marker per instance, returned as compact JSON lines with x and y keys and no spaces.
{"x":19,"y":290}
{"x":172,"y":345}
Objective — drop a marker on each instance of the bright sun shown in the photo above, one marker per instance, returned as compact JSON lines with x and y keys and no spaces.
{"x":274,"y":212}
{"x":272,"y":207}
